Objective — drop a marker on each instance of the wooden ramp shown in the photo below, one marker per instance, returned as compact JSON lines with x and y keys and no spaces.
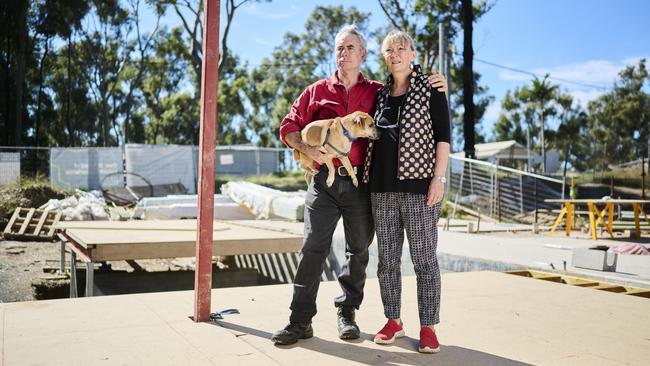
{"x":488,"y":318}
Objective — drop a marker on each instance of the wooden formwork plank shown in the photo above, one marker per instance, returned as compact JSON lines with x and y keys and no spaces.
{"x":610,"y":288}
{"x":582,"y":282}
{"x":638,"y":292}
{"x":23,"y":227}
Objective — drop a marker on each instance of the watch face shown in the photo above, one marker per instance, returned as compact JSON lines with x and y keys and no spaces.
{"x":442,"y":179}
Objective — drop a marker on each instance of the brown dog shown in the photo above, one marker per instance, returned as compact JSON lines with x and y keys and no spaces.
{"x":336,"y":136}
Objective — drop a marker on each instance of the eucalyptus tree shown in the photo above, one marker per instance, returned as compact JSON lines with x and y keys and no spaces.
{"x":620,"y":119}
{"x":421,"y":19}
{"x":526,"y":113}
{"x":300,"y":60}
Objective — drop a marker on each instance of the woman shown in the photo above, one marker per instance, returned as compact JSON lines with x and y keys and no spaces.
{"x":406,"y":171}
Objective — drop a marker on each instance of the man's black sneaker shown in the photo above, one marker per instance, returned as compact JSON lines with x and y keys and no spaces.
{"x":292,"y":333}
{"x":348,"y":328}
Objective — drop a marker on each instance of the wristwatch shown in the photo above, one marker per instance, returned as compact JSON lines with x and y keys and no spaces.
{"x":441,"y":178}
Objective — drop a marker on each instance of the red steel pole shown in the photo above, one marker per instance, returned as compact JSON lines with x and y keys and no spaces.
{"x":207,"y":156}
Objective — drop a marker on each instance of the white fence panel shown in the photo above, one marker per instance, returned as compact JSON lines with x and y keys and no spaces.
{"x":9,"y":168}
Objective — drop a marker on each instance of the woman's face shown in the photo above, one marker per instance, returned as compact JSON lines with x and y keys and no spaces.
{"x":398,"y":57}
{"x":349,"y":53}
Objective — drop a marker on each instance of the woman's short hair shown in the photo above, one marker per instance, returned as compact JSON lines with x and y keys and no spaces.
{"x":397,"y":37}
{"x":354,"y":30}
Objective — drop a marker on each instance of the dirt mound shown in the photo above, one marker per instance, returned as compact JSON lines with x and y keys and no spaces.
{"x":27,"y":193}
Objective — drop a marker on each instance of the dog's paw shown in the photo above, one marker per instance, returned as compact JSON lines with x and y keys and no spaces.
{"x":329,"y":181}
{"x":355,"y":181}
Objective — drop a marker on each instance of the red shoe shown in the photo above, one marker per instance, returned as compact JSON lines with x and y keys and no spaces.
{"x":428,"y":341}
{"x":389,"y":332}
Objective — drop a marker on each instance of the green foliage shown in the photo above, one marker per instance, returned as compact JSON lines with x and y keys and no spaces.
{"x":528,"y":110}
{"x":92,"y":78}
{"x":613,"y":129}
{"x":620,"y":120}
{"x":299,"y":61}
{"x":420,"y":18}
{"x":630,"y":178}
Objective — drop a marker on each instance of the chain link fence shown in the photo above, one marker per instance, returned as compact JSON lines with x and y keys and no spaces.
{"x":95,"y":168}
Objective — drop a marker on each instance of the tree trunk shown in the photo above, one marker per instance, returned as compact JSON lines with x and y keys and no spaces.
{"x":543,"y":143}
{"x":68,"y":102}
{"x":40,"y":92}
{"x":469,"y":118}
{"x":19,"y":76}
{"x":7,"y":121}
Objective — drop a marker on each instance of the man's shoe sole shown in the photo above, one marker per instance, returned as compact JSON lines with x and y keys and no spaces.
{"x":284,"y":343}
{"x":399,"y":334}
{"x":350,"y":336}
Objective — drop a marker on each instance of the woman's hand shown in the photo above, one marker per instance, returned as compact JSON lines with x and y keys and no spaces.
{"x":436,"y":192}
{"x":438,"y":81}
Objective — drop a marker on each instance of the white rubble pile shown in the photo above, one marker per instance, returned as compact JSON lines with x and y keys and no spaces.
{"x":82,"y":206}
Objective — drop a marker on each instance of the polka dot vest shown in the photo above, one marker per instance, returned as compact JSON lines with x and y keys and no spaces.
{"x":416,"y":155}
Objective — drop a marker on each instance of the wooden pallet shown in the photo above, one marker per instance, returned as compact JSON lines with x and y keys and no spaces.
{"x":32,"y":224}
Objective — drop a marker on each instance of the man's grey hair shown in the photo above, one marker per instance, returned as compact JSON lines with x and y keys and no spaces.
{"x":351,"y":29}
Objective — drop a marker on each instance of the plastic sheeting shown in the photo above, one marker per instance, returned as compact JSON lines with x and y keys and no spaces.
{"x":10,"y":168}
{"x":84,"y":168}
{"x":265,"y":202}
{"x":161,"y":164}
{"x":185,"y":206}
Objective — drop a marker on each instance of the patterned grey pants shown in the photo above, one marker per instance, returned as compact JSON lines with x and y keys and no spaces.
{"x":393,"y":213}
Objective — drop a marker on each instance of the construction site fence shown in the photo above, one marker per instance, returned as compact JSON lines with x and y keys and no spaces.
{"x":96,"y":168}
{"x":499,"y":192}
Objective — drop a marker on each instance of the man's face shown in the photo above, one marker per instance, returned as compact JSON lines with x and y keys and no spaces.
{"x":349,"y":53}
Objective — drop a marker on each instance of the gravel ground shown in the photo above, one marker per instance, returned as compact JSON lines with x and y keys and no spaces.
{"x":20,"y":262}
{"x":23,"y":261}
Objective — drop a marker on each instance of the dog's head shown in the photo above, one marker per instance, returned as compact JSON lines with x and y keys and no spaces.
{"x":360,"y":124}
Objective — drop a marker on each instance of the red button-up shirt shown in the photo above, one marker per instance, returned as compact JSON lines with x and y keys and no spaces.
{"x":328,"y":98}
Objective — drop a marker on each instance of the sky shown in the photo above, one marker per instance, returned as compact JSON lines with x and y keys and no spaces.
{"x":582,"y":44}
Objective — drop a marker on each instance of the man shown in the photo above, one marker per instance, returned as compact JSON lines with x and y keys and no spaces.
{"x":346,"y":91}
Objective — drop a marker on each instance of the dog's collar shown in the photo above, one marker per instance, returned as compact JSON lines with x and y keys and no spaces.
{"x":346,"y":133}
{"x":327,"y":142}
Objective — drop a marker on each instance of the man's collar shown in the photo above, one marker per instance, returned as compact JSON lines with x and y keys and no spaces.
{"x":334,"y":79}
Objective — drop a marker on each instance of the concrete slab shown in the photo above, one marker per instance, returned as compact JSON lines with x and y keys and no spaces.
{"x":460,"y":251}
{"x":535,"y":251}
{"x":487,"y":318}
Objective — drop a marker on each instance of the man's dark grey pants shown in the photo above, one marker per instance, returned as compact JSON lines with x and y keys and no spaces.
{"x":323,"y":208}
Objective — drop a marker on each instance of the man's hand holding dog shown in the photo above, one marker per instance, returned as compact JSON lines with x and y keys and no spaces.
{"x":317,"y":153}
